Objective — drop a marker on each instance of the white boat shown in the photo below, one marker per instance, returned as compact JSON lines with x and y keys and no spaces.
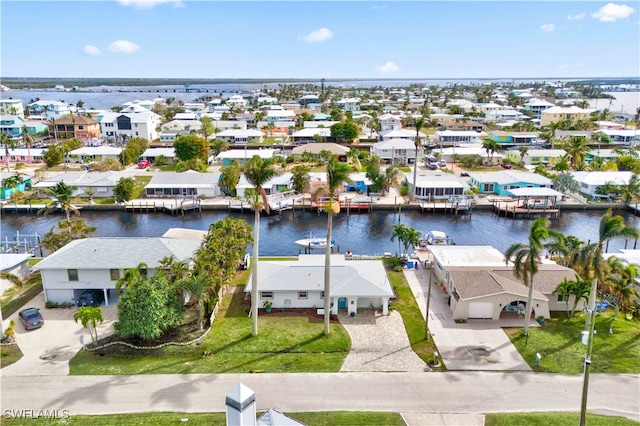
{"x":313,"y":243}
{"x":436,"y":238}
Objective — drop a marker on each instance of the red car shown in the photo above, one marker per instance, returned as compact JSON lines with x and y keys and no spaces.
{"x":143,"y":164}
{"x":505,"y":166}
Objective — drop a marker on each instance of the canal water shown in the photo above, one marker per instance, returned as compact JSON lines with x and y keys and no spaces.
{"x":364,"y":233}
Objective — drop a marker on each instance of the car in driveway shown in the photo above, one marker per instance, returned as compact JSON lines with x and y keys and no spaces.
{"x":505,"y":166}
{"x":90,"y":298}
{"x":31,"y":318}
{"x":143,"y":164}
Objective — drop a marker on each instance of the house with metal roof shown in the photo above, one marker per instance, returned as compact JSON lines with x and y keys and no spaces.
{"x":240,"y":137}
{"x":100,"y":183}
{"x":500,"y":183}
{"x":397,"y":151}
{"x":590,"y":181}
{"x":226,"y":157}
{"x":95,"y":153}
{"x":184,"y":184}
{"x":299,"y":283}
{"x":98,"y":263}
{"x":533,"y":157}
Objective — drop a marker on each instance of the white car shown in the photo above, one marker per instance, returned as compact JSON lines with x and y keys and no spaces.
{"x":443,"y":163}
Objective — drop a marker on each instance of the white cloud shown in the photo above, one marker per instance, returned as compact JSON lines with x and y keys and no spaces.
{"x":91,"y":50}
{"x":611,"y":12}
{"x":388,"y":67}
{"x":149,"y":4}
{"x":378,"y":7}
{"x":123,"y":46}
{"x":318,"y":36}
{"x":578,"y":17}
{"x":547,"y":28}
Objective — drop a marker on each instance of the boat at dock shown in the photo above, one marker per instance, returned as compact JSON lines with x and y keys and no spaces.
{"x":438,"y":238}
{"x":313,"y":243}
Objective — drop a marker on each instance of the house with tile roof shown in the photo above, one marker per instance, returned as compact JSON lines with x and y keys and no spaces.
{"x":75,"y":126}
{"x":98,"y":263}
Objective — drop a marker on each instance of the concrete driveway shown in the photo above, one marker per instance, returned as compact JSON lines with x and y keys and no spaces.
{"x":47,"y":350}
{"x":476,"y":345}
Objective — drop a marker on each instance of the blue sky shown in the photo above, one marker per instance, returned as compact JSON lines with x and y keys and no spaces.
{"x":297,"y":39}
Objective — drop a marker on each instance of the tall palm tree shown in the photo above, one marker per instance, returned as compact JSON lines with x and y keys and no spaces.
{"x":337,"y":174}
{"x":491,"y":147}
{"x":523,"y":151}
{"x":553,"y":127}
{"x":620,"y":283}
{"x":419,"y":124}
{"x":62,"y":195}
{"x":258,"y":171}
{"x":611,"y":227}
{"x":90,"y":317}
{"x":577,"y":149}
{"x":27,"y":140}
{"x":8,"y":143}
{"x":525,"y":258}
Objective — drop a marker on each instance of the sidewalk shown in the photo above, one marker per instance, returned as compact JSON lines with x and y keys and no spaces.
{"x":469,"y":346}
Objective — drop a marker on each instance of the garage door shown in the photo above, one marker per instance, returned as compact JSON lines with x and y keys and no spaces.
{"x":480,"y":310}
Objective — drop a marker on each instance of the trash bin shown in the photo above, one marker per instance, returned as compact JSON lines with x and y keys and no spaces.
{"x":409,"y":265}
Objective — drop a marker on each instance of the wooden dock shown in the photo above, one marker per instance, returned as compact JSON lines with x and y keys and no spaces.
{"x":455,"y":208}
{"x":173,"y":208}
{"x":517,"y":209}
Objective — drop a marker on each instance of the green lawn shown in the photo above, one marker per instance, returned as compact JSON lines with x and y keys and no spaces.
{"x":165,"y":168}
{"x":413,"y":320}
{"x":343,"y":418}
{"x":559,"y":343}
{"x":553,"y":419}
{"x":283,"y":345}
{"x":9,"y":355}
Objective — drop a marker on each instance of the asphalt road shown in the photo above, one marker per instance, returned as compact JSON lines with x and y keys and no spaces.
{"x":466,"y":392}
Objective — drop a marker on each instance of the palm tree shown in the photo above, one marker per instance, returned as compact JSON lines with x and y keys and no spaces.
{"x":12,"y":182}
{"x":62,"y":195}
{"x":553,"y":127}
{"x":132,"y":276}
{"x":591,"y":255}
{"x":525,"y":258}
{"x":631,"y":190}
{"x":258,"y":171}
{"x":419,"y":124}
{"x":8,"y":143}
{"x":27,"y":140}
{"x":491,"y":147}
{"x":398,"y":232}
{"x":621,"y":281}
{"x":337,"y":174}
{"x":197,"y":287}
{"x":523,"y":151}
{"x":89,"y":317}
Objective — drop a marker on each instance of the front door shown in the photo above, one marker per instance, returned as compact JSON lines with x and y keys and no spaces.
{"x":342,"y":303}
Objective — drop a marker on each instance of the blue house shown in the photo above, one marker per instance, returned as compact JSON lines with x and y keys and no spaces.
{"x":500,"y":183}
{"x":517,"y":138}
{"x":6,"y":192}
{"x":359,"y":183}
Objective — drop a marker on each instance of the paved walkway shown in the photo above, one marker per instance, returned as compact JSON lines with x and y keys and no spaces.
{"x":476,"y":345}
{"x":379,"y":343}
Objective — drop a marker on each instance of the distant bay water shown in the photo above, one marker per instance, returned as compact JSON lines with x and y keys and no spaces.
{"x":106,"y":97}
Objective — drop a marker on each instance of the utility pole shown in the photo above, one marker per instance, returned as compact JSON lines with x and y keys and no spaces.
{"x":591,"y":311}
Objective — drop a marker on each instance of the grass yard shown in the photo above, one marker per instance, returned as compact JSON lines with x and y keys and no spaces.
{"x":558,"y":341}
{"x":344,"y":418}
{"x":283,"y":345}
{"x":9,"y":355}
{"x":554,"y":419}
{"x":413,"y":320}
{"x":165,"y":168}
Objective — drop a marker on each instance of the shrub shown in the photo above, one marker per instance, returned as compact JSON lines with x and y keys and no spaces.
{"x":19,"y":166}
{"x":404,"y":191}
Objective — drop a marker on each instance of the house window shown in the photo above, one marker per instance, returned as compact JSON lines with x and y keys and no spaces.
{"x":562,"y":298}
{"x":266,"y":295}
{"x":322,"y":295}
{"x":80,"y":127}
{"x":143,"y":272}
{"x":72,"y":274}
{"x":303,"y":295}
{"x":115,"y":274}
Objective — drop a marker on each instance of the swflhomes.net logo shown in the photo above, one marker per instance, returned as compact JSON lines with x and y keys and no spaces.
{"x":35,"y":414}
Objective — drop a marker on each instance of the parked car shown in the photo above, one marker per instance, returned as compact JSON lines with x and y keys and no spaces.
{"x":143,"y":164}
{"x":91,"y":298}
{"x":505,"y":166}
{"x":31,"y":318}
{"x":433,"y":166}
{"x":443,"y":163}
{"x":464,"y":174}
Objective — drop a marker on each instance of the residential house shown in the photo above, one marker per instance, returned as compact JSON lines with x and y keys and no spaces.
{"x":355,"y":284}
{"x":436,"y":186}
{"x":605,"y":155}
{"x":11,"y":125}
{"x":187,"y":184}
{"x":462,"y":125}
{"x":121,"y":126}
{"x":277,"y":113}
{"x":349,"y":104}
{"x":564,"y":135}
{"x":359,"y":183}
{"x":513,"y":138}
{"x":501,"y":182}
{"x":489,"y":106}
{"x":318,"y":123}
{"x":311,"y":102}
{"x":558,"y":113}
{"x":481,"y":286}
{"x":452,"y":137}
{"x":152,"y":154}
{"x":317,"y":147}
{"x":390,"y":122}
{"x":534,"y":157}
{"x":310,"y":135}
{"x":23,"y":155}
{"x":98,"y":263}
{"x":225,"y":158}
{"x":11,"y":107}
{"x":15,"y":264}
{"x":100,"y":183}
{"x":95,"y":153}
{"x":455,"y":153}
{"x":403,"y":134}
{"x":240,"y":137}
{"x":590,"y":181}
{"x":51,"y":110}
{"x":75,"y":126}
{"x":622,"y":137}
{"x":397,"y":151}
{"x":536,"y":106}
{"x":504,"y":115}
{"x":275,"y":185}
{"x":6,"y":192}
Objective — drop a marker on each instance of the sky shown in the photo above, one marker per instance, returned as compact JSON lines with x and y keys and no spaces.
{"x":332,"y":39}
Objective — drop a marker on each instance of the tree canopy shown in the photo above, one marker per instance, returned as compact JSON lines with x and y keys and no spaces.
{"x":189,"y":147}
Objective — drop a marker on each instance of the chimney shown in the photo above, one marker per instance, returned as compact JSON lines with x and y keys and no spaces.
{"x":241,"y":406}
